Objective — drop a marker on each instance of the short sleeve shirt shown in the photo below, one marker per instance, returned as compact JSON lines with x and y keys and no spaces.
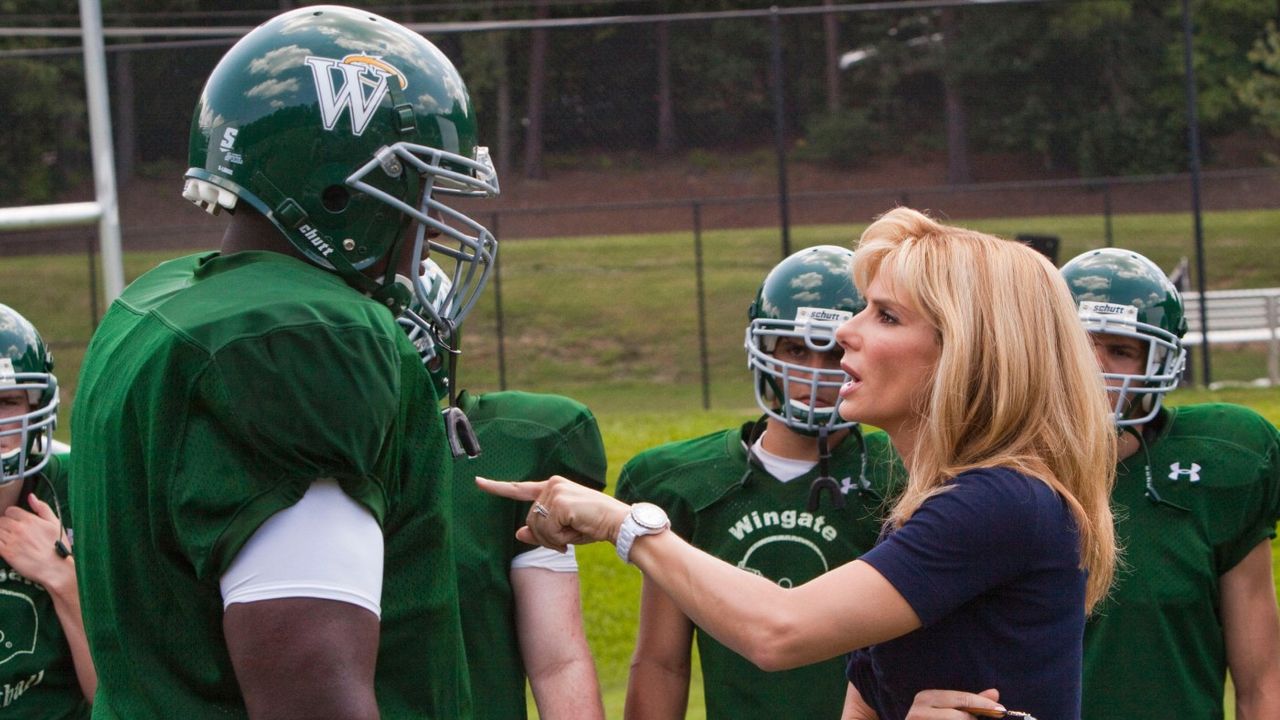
{"x":1154,"y":647}
{"x":991,"y":567}
{"x":523,"y":436}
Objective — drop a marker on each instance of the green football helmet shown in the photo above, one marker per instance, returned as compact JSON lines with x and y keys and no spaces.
{"x":341,"y":128}
{"x":806,"y":296}
{"x":26,"y":366}
{"x":1119,"y":292}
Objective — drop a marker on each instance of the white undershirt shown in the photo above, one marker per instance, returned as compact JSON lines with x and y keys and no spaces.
{"x":785,"y":469}
{"x":546,"y":559}
{"x":325,"y":546}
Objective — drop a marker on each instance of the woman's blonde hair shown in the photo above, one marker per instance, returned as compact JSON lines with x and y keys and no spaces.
{"x":1017,"y":384}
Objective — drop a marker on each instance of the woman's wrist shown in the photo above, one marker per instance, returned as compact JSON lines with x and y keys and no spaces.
{"x":619,"y":514}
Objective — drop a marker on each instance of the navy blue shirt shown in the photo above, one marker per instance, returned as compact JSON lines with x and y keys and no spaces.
{"x":991,"y":567}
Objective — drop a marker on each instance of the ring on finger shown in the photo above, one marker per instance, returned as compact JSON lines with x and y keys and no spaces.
{"x":541,"y":509}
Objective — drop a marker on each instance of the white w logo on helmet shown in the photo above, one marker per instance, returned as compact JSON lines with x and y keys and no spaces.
{"x":1192,"y":474}
{"x":358,"y":72}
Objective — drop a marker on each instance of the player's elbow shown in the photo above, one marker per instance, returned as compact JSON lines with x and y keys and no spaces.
{"x":670,"y":665}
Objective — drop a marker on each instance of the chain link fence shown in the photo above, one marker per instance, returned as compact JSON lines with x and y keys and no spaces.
{"x":672,"y":159}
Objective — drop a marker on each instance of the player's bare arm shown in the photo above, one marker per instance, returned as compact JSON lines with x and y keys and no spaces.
{"x":304,"y":658}
{"x":658,"y":687}
{"x":1252,"y":632}
{"x":553,"y":645}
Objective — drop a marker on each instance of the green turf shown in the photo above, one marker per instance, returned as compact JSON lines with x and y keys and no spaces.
{"x":608,"y":318}
{"x":612,"y":321}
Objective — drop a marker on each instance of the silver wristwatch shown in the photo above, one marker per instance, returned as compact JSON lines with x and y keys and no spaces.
{"x":644,"y":519}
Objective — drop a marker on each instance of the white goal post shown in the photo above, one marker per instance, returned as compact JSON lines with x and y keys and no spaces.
{"x":105,"y":209}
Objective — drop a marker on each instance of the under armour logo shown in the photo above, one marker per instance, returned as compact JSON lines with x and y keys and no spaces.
{"x":1192,"y":474}
{"x":359,"y":72}
{"x":848,"y":485}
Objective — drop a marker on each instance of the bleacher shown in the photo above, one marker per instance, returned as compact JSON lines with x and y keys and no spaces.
{"x":1238,"y":317}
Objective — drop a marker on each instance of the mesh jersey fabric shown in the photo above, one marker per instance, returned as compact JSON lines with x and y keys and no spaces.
{"x":216,"y":388}
{"x":726,"y":504}
{"x":1154,"y":647}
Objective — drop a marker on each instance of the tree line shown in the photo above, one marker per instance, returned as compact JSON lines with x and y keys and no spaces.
{"x":1093,"y":87}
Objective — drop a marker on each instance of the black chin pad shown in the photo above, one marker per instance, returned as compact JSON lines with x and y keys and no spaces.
{"x":828,"y":485}
{"x":462,"y":439}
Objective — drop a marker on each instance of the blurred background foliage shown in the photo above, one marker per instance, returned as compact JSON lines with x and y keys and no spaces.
{"x":1082,"y":87}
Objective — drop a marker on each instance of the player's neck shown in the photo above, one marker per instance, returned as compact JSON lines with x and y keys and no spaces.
{"x":249,"y":230}
{"x":787,"y":443}
{"x":9,"y":494}
{"x":1127,"y":444}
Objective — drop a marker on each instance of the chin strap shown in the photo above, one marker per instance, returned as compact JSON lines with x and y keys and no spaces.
{"x":457,"y":427}
{"x":394,"y":295}
{"x":865,"y":488}
{"x":1152,"y":494}
{"x":28,"y":489}
{"x":824,"y":482}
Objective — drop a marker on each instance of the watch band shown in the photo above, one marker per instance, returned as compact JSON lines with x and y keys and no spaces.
{"x":644,"y":519}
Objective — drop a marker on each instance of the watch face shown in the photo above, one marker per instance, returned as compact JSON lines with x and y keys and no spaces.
{"x":649,"y":515}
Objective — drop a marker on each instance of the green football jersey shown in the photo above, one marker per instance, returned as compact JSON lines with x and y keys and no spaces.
{"x":216,"y":389}
{"x":36,"y":671}
{"x":1154,"y":648}
{"x":733,"y":509}
{"x":523,"y":436}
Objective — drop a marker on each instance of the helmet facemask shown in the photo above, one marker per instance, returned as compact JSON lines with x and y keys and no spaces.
{"x":775,"y":377}
{"x":458,"y":239}
{"x":436,"y":338}
{"x":434,"y":326}
{"x":32,"y":429}
{"x":1137,"y":397}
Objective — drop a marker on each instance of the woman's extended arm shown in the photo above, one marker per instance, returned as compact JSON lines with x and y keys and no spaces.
{"x":850,"y":607}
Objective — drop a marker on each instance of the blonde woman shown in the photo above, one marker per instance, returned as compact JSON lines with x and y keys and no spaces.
{"x":1002,"y":540}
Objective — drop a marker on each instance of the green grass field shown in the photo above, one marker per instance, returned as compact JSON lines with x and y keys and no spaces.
{"x":612,"y":321}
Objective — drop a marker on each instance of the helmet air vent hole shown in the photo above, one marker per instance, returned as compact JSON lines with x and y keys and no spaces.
{"x":335,"y":198}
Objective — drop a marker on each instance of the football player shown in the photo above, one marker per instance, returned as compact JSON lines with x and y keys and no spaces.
{"x":44,"y":662}
{"x":788,"y":496}
{"x":262,"y":495}
{"x":1197,"y":496}
{"x":524,"y":612}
